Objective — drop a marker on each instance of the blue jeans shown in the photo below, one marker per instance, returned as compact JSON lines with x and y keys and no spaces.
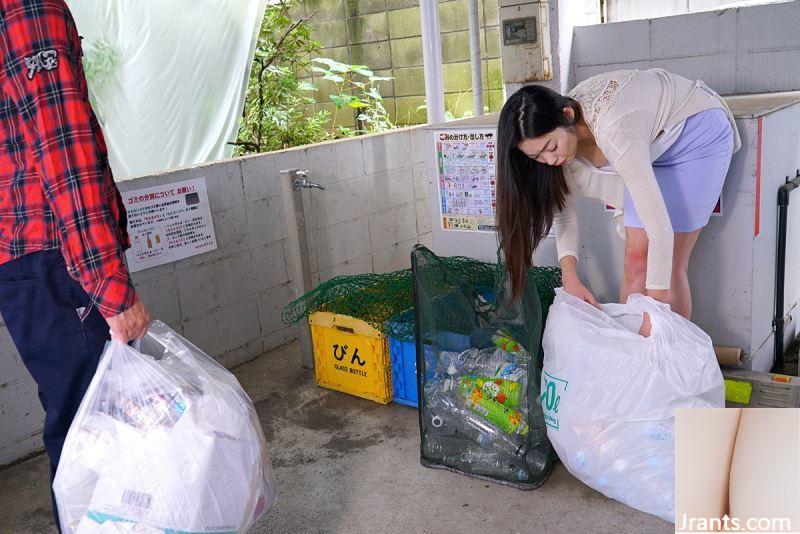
{"x":39,"y":303}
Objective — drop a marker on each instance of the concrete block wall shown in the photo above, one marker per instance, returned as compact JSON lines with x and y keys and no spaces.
{"x":386,"y":36}
{"x":744,"y":50}
{"x":229,"y":301}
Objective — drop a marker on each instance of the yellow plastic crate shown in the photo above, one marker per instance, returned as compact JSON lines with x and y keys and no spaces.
{"x":351,"y":356}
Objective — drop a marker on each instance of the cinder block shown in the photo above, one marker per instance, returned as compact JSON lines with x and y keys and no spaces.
{"x":612,"y":43}
{"x":410,"y":110}
{"x":374,"y":55}
{"x":247,"y":352}
{"x":225,"y":329}
{"x":21,"y":413}
{"x":357,"y":266}
{"x":491,"y":12}
{"x":424,"y":218}
{"x":404,"y":22}
{"x":330,"y":33}
{"x":698,"y":34}
{"x":279,"y":338}
{"x":368,"y":28}
{"x":426,"y":240}
{"x":393,"y":188}
{"x":363,"y":7}
{"x":265,"y":221}
{"x":11,"y":366}
{"x":455,"y":47}
{"x":349,"y":156}
{"x":769,"y":27}
{"x":328,"y":10}
{"x":387,"y":151}
{"x":457,"y":77}
{"x":718,"y":72}
{"x":21,"y":448}
{"x":394,"y":258}
{"x":407,"y":52}
{"x":453,"y":16}
{"x":269,"y":266}
{"x":342,"y":242}
{"x":160,"y":295}
{"x":220,"y":284}
{"x":271,"y":303}
{"x":223,"y":180}
{"x":230,"y":227}
{"x":410,"y":81}
{"x":392,"y":5}
{"x":340,"y":202}
{"x":421,"y":181}
{"x":768,"y":72}
{"x":153,"y":272}
{"x":419,"y":150}
{"x":261,"y":177}
{"x":492,"y":42}
{"x":393,"y":226}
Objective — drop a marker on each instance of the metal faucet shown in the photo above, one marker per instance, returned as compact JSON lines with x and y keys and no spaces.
{"x":302,"y":181}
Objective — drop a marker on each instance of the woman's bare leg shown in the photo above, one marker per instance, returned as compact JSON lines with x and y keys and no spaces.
{"x":635,"y":272}
{"x":765,"y":471}
{"x":680,"y":294}
{"x":704,"y":441}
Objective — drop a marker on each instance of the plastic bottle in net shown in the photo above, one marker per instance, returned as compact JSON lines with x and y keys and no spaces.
{"x":449,"y":418}
{"x":489,"y":462}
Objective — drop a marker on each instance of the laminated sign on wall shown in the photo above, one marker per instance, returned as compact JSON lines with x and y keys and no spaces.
{"x":168,"y":223}
{"x":466,"y":162}
{"x":466,"y":176}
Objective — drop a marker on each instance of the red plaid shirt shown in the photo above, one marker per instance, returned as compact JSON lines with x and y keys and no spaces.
{"x":56,"y":188}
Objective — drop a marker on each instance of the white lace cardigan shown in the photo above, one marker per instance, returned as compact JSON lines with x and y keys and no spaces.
{"x":627,"y":110}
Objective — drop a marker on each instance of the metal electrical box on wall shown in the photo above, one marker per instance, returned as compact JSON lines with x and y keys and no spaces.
{"x":525,"y":40}
{"x":732,"y":270}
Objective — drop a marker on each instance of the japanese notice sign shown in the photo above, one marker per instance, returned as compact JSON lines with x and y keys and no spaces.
{"x":466,"y":177}
{"x":168,"y":223}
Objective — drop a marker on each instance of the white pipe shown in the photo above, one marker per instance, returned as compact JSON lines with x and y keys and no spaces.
{"x":432,"y":60}
{"x":475,"y":51}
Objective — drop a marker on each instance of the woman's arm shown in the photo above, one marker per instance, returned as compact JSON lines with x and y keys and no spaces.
{"x":627,"y":147}
{"x":567,"y":242}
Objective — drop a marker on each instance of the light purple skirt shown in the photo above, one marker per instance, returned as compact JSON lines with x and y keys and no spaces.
{"x":691,"y":172}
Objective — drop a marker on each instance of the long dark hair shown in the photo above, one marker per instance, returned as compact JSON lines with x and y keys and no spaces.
{"x":529,"y":193}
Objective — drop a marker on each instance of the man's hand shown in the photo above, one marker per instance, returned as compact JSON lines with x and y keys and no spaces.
{"x":130,"y":324}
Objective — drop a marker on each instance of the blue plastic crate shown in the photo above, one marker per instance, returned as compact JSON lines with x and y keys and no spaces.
{"x":404,"y":364}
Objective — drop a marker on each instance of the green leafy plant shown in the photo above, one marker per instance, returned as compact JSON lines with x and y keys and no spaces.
{"x":356,"y":89}
{"x":275,"y":112}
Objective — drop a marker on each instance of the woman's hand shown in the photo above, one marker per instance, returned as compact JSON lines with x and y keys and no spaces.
{"x":646,"y":325}
{"x":574,"y":286}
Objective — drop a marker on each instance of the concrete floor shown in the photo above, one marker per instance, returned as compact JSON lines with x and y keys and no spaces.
{"x":348,"y":465}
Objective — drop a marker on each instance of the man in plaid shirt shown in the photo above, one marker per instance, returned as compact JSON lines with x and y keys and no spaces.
{"x":63,"y":283}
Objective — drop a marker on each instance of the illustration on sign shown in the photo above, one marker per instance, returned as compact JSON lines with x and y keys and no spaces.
{"x":168,"y":223}
{"x":466,"y":177}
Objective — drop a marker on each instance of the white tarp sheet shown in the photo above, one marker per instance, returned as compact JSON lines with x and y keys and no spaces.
{"x":167,"y":79}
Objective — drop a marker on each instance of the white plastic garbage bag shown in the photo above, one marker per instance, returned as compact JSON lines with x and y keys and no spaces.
{"x":609,"y":394}
{"x":165,"y":440}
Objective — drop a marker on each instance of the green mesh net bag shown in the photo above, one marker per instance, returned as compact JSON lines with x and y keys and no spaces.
{"x":385,"y":301}
{"x":479,"y":369}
